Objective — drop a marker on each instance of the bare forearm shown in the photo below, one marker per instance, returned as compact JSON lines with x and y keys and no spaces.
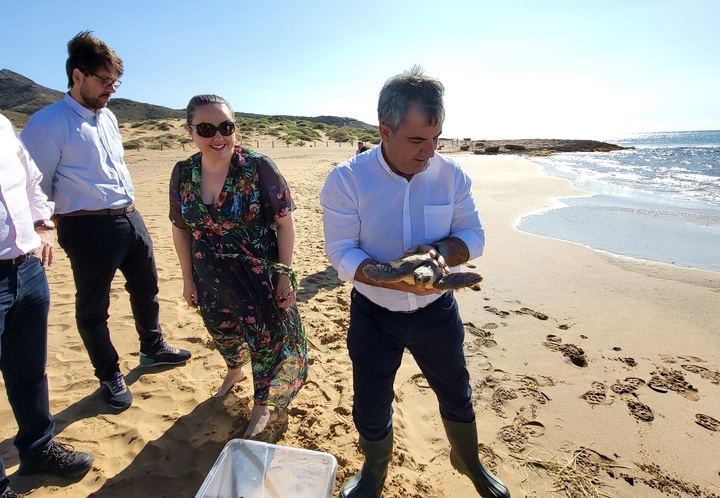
{"x":286,"y":239}
{"x":453,"y":250}
{"x":360,"y":276}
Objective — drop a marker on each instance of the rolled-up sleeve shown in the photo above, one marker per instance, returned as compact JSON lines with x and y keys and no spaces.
{"x":341,"y":224}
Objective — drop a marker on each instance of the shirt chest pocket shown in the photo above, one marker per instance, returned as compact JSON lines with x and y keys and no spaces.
{"x":438,"y":220}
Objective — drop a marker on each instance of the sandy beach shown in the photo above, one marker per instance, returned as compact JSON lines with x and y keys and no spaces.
{"x":587,"y":369}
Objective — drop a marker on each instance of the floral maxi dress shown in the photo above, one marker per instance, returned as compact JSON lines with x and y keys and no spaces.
{"x":234,"y":256}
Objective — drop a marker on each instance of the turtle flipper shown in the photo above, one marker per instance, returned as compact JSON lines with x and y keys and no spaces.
{"x":457,"y":280}
{"x":382,"y":272}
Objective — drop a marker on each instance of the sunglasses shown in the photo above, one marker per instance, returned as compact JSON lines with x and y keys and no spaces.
{"x":207,"y":130}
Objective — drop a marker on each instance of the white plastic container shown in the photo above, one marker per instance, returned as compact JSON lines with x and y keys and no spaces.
{"x":252,"y":469}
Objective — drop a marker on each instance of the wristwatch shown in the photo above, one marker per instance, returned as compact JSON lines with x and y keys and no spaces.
{"x":46,"y":224}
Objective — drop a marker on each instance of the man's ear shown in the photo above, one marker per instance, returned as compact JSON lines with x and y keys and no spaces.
{"x":385,"y":131}
{"x":77,"y":76}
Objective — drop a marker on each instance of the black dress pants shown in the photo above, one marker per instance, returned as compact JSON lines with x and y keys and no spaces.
{"x":97,"y":246}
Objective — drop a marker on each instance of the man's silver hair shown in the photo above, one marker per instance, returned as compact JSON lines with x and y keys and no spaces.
{"x":407,"y":90}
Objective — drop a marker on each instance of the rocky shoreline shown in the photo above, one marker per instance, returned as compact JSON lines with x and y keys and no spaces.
{"x":533,"y":147}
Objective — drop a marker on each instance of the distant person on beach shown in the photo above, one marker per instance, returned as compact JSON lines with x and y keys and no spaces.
{"x":233,"y":229}
{"x":361,"y":148}
{"x":26,"y":247}
{"x":76,"y":144}
{"x":403,"y":198}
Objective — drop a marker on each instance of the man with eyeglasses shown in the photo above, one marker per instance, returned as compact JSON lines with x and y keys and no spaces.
{"x":77,"y":146}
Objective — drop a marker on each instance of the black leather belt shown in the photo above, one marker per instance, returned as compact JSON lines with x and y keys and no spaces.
{"x":126,"y":211}
{"x":14,"y":261}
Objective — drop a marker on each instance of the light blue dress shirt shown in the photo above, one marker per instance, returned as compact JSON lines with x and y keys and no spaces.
{"x":80,"y":154}
{"x":371,"y":212}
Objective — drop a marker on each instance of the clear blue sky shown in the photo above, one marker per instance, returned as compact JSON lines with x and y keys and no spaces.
{"x":512,"y":69}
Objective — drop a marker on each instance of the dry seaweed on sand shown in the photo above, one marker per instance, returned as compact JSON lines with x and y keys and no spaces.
{"x":575,"y":476}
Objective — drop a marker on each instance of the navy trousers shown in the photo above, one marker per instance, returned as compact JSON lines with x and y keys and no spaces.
{"x":376,"y":340}
{"x":24,"y":306}
{"x":97,"y":247}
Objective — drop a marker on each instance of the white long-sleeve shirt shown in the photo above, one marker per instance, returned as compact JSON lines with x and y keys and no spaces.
{"x":371,"y":212}
{"x":22,"y":201}
{"x":81,"y":156}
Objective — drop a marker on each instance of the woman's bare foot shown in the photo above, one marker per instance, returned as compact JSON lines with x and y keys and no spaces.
{"x":233,"y":375}
{"x":259,"y":418}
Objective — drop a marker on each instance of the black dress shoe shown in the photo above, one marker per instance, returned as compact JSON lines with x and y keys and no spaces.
{"x":59,"y":459}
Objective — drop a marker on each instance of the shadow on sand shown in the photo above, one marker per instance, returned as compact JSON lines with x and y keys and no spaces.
{"x":173,"y":465}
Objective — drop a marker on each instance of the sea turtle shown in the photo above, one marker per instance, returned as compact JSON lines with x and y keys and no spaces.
{"x":419,"y":269}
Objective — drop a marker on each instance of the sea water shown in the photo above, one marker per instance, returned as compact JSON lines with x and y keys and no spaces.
{"x":659,"y":201}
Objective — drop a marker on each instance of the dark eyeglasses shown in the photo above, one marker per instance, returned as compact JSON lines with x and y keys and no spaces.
{"x":108,"y":82}
{"x":207,"y":130}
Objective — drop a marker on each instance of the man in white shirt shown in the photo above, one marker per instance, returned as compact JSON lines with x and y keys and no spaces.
{"x":77,"y":146}
{"x":403,"y":197}
{"x":26,"y":245}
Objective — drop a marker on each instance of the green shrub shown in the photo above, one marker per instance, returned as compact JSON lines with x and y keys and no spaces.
{"x":133,"y":144}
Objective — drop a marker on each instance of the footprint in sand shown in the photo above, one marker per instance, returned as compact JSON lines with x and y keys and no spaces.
{"x":484,"y":337}
{"x":708,"y":422}
{"x":597,"y":395}
{"x":517,"y":435}
{"x":528,"y":311}
{"x":499,"y":397}
{"x":488,"y":457}
{"x":478,"y":344}
{"x":419,"y":380}
{"x":538,"y":396}
{"x":495,"y":311}
{"x":673,"y":380}
{"x":533,"y":382}
{"x":639,"y":410}
{"x":575,"y":354}
{"x":521,"y":311}
{"x":705,"y":373}
{"x":530,"y":388}
{"x":693,"y":359}
{"x":628,"y":361}
{"x":628,"y":386}
{"x":476,"y":331}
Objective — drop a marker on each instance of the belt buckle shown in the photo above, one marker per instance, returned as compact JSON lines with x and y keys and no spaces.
{"x":130,"y":209}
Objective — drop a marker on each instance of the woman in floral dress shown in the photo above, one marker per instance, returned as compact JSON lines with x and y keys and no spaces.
{"x":234,"y":234}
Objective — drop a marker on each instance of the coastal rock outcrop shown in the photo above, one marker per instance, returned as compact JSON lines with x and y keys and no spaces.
{"x":539,"y":146}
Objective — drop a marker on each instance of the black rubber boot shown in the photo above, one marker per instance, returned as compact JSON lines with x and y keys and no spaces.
{"x":464,"y":457}
{"x":368,"y":483}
